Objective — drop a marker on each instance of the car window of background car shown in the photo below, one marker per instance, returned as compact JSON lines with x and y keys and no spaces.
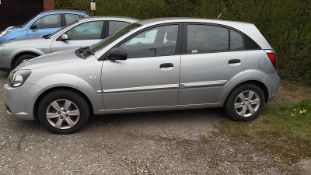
{"x":159,"y":41}
{"x":115,"y":26}
{"x":71,"y":18}
{"x":207,"y":39}
{"x":236,"y":41}
{"x":98,"y":46}
{"x":86,"y":31}
{"x":50,"y":21}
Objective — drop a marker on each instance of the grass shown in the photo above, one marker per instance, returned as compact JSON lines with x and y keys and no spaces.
{"x":284,"y":130}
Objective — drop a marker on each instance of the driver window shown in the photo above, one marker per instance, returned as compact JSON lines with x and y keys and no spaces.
{"x":159,"y":41}
{"x":86,"y":31}
{"x":51,"y":21}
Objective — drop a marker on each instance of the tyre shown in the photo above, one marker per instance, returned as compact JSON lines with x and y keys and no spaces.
{"x":23,"y":58}
{"x":245,"y":102}
{"x":63,"y":112}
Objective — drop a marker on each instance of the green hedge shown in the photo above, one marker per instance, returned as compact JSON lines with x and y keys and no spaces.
{"x":286,"y":24}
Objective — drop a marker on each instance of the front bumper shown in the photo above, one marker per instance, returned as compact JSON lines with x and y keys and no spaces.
{"x":20,"y":101}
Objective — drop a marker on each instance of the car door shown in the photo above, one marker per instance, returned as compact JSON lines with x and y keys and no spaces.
{"x":149,"y":78}
{"x":45,"y":25}
{"x":212,"y":56}
{"x":82,"y":35}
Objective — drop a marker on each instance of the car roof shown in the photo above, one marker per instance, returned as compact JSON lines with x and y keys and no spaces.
{"x":63,"y":11}
{"x":110,"y":18}
{"x":185,"y":19}
{"x":247,"y":28}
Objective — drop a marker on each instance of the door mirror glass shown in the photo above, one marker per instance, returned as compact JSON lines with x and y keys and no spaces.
{"x":64,"y":37}
{"x":117,"y":54}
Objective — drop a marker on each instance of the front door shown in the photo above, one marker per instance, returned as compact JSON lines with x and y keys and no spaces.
{"x":149,"y":78}
{"x":213,"y":55}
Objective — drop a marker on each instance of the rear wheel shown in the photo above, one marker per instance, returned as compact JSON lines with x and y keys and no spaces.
{"x":245,"y":102}
{"x":63,"y":112}
{"x":21,"y":59}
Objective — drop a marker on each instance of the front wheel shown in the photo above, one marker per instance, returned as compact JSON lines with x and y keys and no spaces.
{"x":63,"y":112}
{"x":245,"y":102}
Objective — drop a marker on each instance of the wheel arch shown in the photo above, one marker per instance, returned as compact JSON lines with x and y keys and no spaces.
{"x":17,"y":55}
{"x":261,"y":85}
{"x":43,"y":94}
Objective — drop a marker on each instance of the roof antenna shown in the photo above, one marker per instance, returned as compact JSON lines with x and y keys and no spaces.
{"x":223,"y":11}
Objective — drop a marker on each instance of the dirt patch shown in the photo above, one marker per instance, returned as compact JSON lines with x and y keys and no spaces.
{"x":291,"y":93}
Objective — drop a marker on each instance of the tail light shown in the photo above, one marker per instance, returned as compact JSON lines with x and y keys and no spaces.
{"x":272,"y":57}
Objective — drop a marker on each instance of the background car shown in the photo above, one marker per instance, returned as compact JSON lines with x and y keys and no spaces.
{"x":83,"y":33}
{"x":44,"y":23}
{"x":157,"y":64}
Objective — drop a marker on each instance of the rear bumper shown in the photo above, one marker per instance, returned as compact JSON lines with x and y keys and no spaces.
{"x":274,"y":81}
{"x":20,"y":101}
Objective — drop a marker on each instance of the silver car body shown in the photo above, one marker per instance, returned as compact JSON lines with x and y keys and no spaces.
{"x":195,"y":81}
{"x":40,"y":46}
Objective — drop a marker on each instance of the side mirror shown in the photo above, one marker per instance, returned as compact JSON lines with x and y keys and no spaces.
{"x":117,"y":54}
{"x":64,"y":37}
{"x":33,"y":27}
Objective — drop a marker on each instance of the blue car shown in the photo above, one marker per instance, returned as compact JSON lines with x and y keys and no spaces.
{"x":43,"y":24}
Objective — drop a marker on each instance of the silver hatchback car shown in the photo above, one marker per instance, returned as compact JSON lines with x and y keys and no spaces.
{"x":83,"y":33}
{"x":156,"y":64}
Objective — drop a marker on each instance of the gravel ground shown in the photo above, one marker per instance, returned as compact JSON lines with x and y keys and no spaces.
{"x":174,"y":142}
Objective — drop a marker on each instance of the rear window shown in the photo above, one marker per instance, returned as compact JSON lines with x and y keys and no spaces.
{"x":207,"y":39}
{"x":236,"y":41}
{"x":71,"y":18}
{"x":115,"y":26}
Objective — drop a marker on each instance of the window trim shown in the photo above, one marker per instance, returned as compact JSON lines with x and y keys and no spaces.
{"x":179,"y":40}
{"x":185,"y":37}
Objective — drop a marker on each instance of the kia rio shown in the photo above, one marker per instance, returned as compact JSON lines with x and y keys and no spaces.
{"x":156,"y":64}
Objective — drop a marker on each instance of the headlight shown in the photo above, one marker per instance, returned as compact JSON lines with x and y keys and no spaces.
{"x":18,"y":77}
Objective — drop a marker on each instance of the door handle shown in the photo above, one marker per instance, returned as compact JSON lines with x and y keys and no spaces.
{"x":233,"y":61}
{"x":166,"y":66}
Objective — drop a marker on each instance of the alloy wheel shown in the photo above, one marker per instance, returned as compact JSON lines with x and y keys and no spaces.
{"x":63,"y":114}
{"x":247,"y":103}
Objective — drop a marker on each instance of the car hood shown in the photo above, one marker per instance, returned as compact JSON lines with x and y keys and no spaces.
{"x":28,"y":42}
{"x":52,"y":59}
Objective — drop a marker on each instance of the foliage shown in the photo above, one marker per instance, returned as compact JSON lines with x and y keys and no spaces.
{"x":286,"y":24}
{"x":288,"y":120}
{"x":283,"y":130}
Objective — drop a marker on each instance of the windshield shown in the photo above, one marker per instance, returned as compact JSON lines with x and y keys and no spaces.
{"x":94,"y":48}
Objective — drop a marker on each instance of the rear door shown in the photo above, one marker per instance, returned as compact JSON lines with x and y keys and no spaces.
{"x":212,"y":55}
